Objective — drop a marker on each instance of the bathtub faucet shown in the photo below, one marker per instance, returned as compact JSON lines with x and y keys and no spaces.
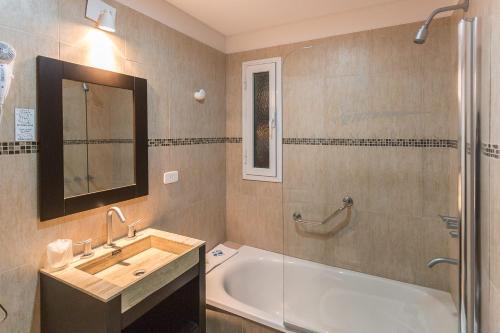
{"x":437,"y":261}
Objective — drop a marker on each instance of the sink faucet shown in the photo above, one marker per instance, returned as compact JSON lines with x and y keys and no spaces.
{"x":437,"y":261}
{"x":109,"y":224}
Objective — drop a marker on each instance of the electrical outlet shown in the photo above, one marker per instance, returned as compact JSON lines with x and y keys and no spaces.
{"x":170,"y":177}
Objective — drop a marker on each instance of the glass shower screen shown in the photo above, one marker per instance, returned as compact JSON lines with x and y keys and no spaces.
{"x":372,"y":116}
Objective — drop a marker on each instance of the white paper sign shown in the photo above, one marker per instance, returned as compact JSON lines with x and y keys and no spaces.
{"x":25,"y":125}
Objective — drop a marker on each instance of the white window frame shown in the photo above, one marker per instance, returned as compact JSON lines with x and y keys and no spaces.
{"x":274,"y":173}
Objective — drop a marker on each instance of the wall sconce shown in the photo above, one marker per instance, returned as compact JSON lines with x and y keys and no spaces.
{"x":103,"y":14}
{"x":200,"y":96}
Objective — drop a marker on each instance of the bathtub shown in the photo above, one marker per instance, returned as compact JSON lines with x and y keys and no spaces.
{"x":324,"y":299}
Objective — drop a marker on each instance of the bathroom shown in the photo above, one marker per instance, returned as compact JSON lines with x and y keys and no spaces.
{"x":370,"y":205}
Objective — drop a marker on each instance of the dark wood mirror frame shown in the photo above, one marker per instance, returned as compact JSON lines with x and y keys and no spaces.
{"x":50,"y":74}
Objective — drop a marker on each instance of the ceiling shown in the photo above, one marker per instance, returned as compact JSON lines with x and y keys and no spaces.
{"x":233,"y":17}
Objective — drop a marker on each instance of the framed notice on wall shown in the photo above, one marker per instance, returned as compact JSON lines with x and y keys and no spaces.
{"x":25,"y":124}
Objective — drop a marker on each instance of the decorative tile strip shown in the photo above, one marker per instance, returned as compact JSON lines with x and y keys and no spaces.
{"x":75,"y":142}
{"x":234,"y":140}
{"x":184,"y":141}
{"x":431,"y":143}
{"x":16,"y":148}
{"x":97,"y":141}
{"x":491,"y":150}
{"x":13,"y":148}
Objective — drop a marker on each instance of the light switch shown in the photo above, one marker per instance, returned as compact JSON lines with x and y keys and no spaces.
{"x":170,"y":177}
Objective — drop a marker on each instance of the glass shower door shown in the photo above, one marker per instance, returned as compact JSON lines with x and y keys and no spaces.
{"x":372,"y":117}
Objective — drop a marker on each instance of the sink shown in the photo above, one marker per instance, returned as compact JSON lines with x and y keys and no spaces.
{"x":126,"y":265}
{"x":134,"y":268}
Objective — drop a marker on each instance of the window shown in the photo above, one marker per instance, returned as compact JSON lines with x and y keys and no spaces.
{"x":262,"y":130}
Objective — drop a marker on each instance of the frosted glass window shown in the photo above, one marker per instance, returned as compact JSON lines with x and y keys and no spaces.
{"x":261,"y":120}
{"x":262,"y":133}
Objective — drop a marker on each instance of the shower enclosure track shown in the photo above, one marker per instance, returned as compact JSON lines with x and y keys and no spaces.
{"x":469,"y":149}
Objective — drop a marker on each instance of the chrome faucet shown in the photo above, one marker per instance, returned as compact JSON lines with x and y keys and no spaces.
{"x":437,"y":261}
{"x":109,"y":224}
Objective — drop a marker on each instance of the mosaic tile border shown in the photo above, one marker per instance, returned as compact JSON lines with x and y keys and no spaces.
{"x":184,"y":141}
{"x":97,"y":141}
{"x":234,"y":140}
{"x":17,"y":148}
{"x":491,"y":150}
{"x":421,"y":143}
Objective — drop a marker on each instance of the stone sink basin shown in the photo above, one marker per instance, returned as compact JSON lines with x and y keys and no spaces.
{"x":133,"y":268}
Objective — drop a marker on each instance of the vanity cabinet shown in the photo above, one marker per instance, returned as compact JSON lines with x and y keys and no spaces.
{"x":82,"y":299}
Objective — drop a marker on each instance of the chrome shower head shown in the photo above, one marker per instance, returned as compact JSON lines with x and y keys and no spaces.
{"x":424,"y":29}
{"x":422,"y":33}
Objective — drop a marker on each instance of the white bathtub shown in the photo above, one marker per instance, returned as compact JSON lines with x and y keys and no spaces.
{"x":320,"y":298}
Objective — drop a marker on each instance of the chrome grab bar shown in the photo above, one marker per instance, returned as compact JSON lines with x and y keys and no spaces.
{"x":4,"y":313}
{"x":436,"y":261}
{"x":347,"y":203}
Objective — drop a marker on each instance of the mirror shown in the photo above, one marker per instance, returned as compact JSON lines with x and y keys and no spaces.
{"x":98,"y":134}
{"x":93,"y":139}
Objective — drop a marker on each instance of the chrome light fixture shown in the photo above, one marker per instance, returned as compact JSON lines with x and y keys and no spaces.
{"x":103,"y":14}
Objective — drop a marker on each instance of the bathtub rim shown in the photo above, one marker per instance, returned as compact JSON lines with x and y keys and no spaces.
{"x":230,"y":305}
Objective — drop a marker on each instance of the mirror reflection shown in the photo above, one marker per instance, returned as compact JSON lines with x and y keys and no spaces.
{"x":98,"y":138}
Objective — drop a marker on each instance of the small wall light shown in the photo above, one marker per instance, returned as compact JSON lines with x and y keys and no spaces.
{"x":103,"y":14}
{"x":106,"y":21}
{"x":200,"y":95}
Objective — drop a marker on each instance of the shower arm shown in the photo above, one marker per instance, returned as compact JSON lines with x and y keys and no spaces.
{"x":464,"y":5}
{"x":347,"y":203}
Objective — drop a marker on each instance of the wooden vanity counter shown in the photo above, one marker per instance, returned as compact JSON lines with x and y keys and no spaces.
{"x":126,"y":282}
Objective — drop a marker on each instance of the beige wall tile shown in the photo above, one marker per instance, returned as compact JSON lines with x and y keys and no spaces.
{"x":174,"y":66}
{"x":343,"y":87}
{"x":31,"y":16}
{"x":393,"y":49}
{"x":78,"y":31}
{"x":495,"y":77}
{"x":254,"y":208}
{"x":487,"y":12}
{"x":494,"y":313}
{"x":21,"y":302}
{"x":75,"y":170}
{"x":485,"y":232}
{"x":494,"y":249}
{"x":23,"y":88}
{"x":349,"y":55}
{"x":94,"y":56}
{"x":374,"y":84}
{"x":436,"y":171}
{"x":194,"y":206}
{"x":304,"y":101}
